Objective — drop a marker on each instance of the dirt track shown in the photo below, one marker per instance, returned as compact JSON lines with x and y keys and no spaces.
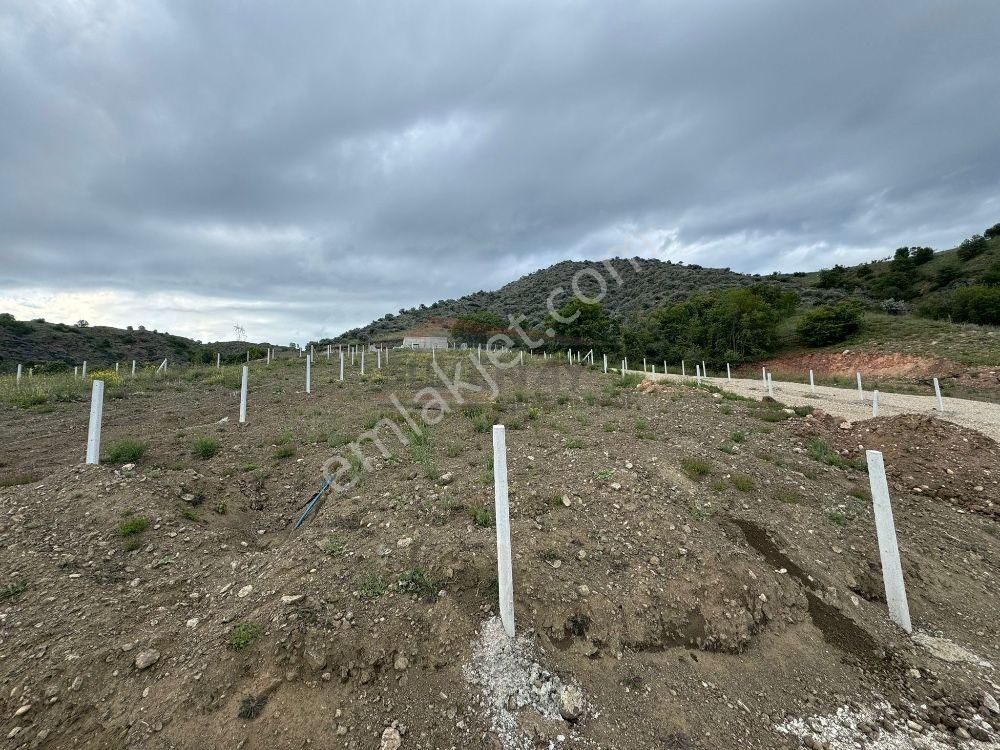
{"x":977,"y":415}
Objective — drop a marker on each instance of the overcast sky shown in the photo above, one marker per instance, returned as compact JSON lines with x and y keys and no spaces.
{"x":304,"y":167}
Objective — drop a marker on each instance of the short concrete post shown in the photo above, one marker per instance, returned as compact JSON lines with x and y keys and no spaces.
{"x":888,"y":548}
{"x":664,"y":367}
{"x":133,"y":368}
{"x":812,"y":382}
{"x":770,"y":386}
{"x":623,"y":369}
{"x":243,"y":394}
{"x":116,"y":368}
{"x":84,"y":369}
{"x":763,"y":375}
{"x":378,"y":359}
{"x":328,"y":352}
{"x":341,"y":366}
{"x":605,"y":364}
{"x":937,"y":392}
{"x":697,"y":374}
{"x":76,"y":372}
{"x":19,"y":375}
{"x":352,"y":351}
{"x":626,"y":363}
{"x":644,"y":364}
{"x":861,"y":393}
{"x":729,"y":374}
{"x":94,"y":431}
{"x":569,"y":353}
{"x":505,"y":575}
{"x":522,"y":356}
{"x":363,"y":361}
{"x":268,"y":359}
{"x":479,"y":353}
{"x":309,"y":360}
{"x":704,"y":370}
{"x":248,"y":355}
{"x":683,"y":370}
{"x":874,"y":403}
{"x":218,"y":360}
{"x":434,"y":358}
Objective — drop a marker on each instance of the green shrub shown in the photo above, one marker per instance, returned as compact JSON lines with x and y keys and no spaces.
{"x":970,"y":304}
{"x":284,"y":451}
{"x":13,"y":591}
{"x":481,"y":515}
{"x":205,"y":447}
{"x":133,"y":526}
{"x":696,"y":468}
{"x":244,"y":634}
{"x":125,"y":451}
{"x":829,"y":324}
{"x":741,"y":482}
{"x":373,"y":586}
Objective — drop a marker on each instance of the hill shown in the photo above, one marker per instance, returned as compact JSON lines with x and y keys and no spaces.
{"x":914,"y":279}
{"x":59,"y":345}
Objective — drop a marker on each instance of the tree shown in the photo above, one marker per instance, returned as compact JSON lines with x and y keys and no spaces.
{"x":969,"y":304}
{"x":970,"y":248}
{"x":478,"y":327}
{"x":921,"y":255}
{"x":993,"y":231}
{"x":82,"y":323}
{"x":828,"y":324}
{"x":581,"y":323}
{"x":832,"y":278}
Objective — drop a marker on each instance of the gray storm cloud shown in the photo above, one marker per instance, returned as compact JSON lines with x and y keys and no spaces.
{"x":309,"y":166}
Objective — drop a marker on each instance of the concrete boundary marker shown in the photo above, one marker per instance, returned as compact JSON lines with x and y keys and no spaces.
{"x":505,"y":576}
{"x":94,"y":429}
{"x":888,"y":547}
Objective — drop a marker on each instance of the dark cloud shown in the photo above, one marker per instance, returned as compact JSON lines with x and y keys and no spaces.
{"x":305,"y":167}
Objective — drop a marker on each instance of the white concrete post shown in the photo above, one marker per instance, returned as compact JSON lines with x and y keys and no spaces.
{"x":84,"y":373}
{"x":644,"y":364}
{"x":362,"y":361}
{"x":888,"y":548}
{"x":704,"y":370}
{"x":683,"y":370}
{"x":763,"y":375}
{"x":133,"y":368}
{"x":812,"y":382}
{"x":218,"y":360}
{"x":623,"y":369}
{"x":434,"y":358}
{"x":664,"y":367}
{"x":697,"y":374}
{"x":243,"y":394}
{"x":479,"y":352}
{"x":116,"y":368}
{"x":328,"y":352}
{"x":309,"y":360}
{"x":770,"y":386}
{"x":861,"y":393}
{"x":569,"y":353}
{"x":378,"y":356}
{"x":605,"y":364}
{"x":937,"y":392}
{"x":522,"y":356}
{"x":729,"y":374}
{"x":874,"y":403}
{"x":626,"y":363}
{"x":268,"y":356}
{"x":94,"y":431}
{"x":342,"y":366}
{"x":248,"y":355}
{"x":31,"y":372}
{"x":352,"y":351}
{"x":505,"y":575}
{"x":76,"y":372}
{"x":19,"y":374}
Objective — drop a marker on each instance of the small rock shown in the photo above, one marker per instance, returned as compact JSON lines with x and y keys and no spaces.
{"x":446,"y":478}
{"x":391,"y":739}
{"x":146,"y":659}
{"x":292,"y":598}
{"x":571,"y":705}
{"x":22,"y":710}
{"x":405,"y":542}
{"x":990,"y":704}
{"x":401,"y":663}
{"x":245,"y":591}
{"x":193,"y":622}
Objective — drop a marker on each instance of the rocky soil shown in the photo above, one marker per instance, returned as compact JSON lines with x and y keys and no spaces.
{"x":692,"y":570}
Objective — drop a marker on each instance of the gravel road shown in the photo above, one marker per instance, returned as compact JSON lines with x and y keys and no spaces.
{"x":844,"y":402}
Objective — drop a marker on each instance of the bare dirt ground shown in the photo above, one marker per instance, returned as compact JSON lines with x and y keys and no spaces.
{"x":692,"y":570}
{"x":977,"y":415}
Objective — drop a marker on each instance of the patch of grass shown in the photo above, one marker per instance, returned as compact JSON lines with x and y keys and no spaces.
{"x":737,"y":436}
{"x":133,"y":526}
{"x":247,"y":467}
{"x":16,"y":480}
{"x":789,"y":497}
{"x":244,"y":634}
{"x":251,"y":707}
{"x":334,"y":547}
{"x":453,"y":449}
{"x":820,"y":451}
{"x":696,"y":468}
{"x":373,"y":586}
{"x":575,"y":443}
{"x":125,"y":451}
{"x":718,"y":485}
{"x":562,"y":399}
{"x":728,"y":448}
{"x":189,"y":514}
{"x":610,"y":427}
{"x":835,"y":516}
{"x":205,"y":447}
{"x":641,"y":425}
{"x":742,"y":482}
{"x":482,"y":516}
{"x":803,"y":411}
{"x":12,"y":591}
{"x":416,"y":581}
{"x":860,"y":493}
{"x":221,"y":508}
{"x":604,"y":474}
{"x":284,"y":451}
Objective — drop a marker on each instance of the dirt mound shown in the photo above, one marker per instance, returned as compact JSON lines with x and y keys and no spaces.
{"x":923,"y":456}
{"x":872,"y":364}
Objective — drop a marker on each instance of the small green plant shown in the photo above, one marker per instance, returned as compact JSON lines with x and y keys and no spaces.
{"x":125,"y":451}
{"x":737,"y":436}
{"x":575,"y":443}
{"x":481,"y":515}
{"x":604,"y":474}
{"x":533,"y":412}
{"x":718,"y":485}
{"x":221,"y":508}
{"x":133,"y":526}
{"x":17,"y":479}
{"x":562,"y":399}
{"x":373,"y":586}
{"x":835,"y":516}
{"x":741,"y":482}
{"x":244,"y":634}
{"x":205,"y":447}
{"x":696,"y":468}
{"x":789,"y":497}
{"x":820,"y":451}
{"x":189,"y":514}
{"x":334,"y":547}
{"x":417,"y":582}
{"x":12,"y":591}
{"x":728,"y":448}
{"x":284,"y":451}
{"x":453,"y":450}
{"x":610,"y":427}
{"x":641,"y":424}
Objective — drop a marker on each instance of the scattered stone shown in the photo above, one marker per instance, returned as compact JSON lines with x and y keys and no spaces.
{"x":146,"y":659}
{"x":391,"y":739}
{"x":446,"y":478}
{"x":245,"y":591}
{"x":292,"y":598}
{"x":571,"y":703}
